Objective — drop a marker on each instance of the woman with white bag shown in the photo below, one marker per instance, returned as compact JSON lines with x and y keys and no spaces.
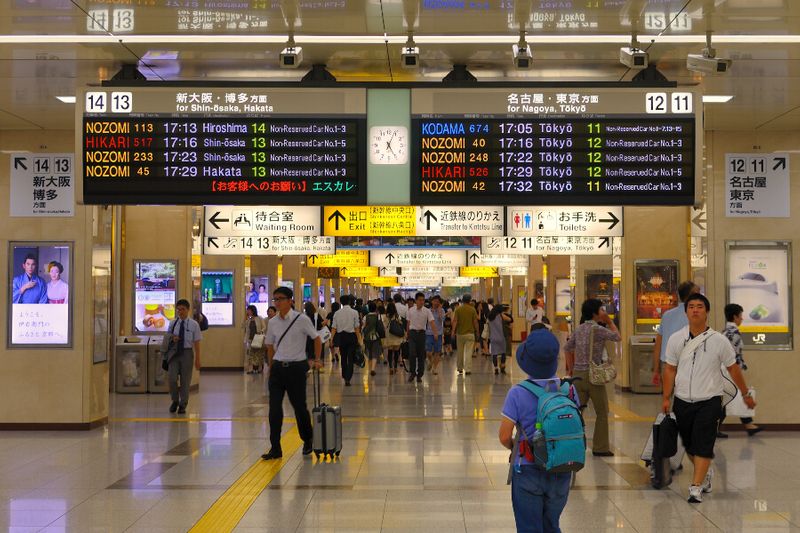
{"x":254,"y":340}
{"x":733,"y":319}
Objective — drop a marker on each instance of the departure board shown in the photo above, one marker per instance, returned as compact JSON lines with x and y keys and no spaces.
{"x":211,"y":146}
{"x":554,"y":147}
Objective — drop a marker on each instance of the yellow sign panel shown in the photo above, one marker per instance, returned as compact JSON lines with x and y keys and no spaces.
{"x":381,"y":281}
{"x":370,"y":221}
{"x":478,"y":272}
{"x":359,"y":272}
{"x":344,"y":258}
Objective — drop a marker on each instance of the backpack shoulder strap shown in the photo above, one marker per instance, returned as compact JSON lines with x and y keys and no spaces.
{"x":534,"y":389}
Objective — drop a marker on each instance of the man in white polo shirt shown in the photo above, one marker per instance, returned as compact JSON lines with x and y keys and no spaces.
{"x":288,"y":368}
{"x":419,"y":317}
{"x":695,"y":355}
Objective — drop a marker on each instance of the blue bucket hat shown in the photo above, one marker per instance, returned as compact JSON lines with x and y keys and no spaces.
{"x":538,"y":355}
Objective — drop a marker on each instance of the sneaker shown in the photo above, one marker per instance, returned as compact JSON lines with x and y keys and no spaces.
{"x":173,"y":407}
{"x":695,"y":494}
{"x":706,"y":486}
{"x":182,"y":410}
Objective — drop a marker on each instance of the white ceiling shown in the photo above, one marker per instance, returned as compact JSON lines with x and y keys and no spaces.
{"x":46,"y":46}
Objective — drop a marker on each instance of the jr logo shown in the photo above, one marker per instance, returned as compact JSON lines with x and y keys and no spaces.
{"x":761,"y":338}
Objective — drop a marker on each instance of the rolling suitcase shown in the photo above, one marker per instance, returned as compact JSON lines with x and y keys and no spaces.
{"x":327,"y":420}
{"x":662,"y":456}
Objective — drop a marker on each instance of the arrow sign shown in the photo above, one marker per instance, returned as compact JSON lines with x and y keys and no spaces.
{"x":312,"y":259}
{"x":780,"y":162}
{"x":605,"y":241}
{"x":389,"y":257}
{"x":613,"y":220}
{"x":215,"y":218}
{"x":20,"y":162}
{"x":474,"y":257}
{"x":383,"y":271}
{"x":428,"y":216}
{"x":700,"y":220}
{"x":344,"y":271}
{"x":336,"y":216}
{"x":212,"y":241}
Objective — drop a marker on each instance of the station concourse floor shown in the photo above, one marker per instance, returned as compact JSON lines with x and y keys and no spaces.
{"x":417,"y":457}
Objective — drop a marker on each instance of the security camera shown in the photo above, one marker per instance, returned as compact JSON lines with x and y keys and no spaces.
{"x":523,"y":59}
{"x":707,"y":63}
{"x":291,"y":57}
{"x":410,"y":56}
{"x":633,"y":58}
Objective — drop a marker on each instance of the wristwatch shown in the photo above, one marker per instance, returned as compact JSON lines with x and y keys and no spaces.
{"x":749,"y":394}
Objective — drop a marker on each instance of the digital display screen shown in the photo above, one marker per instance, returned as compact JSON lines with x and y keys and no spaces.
{"x":216,"y":292}
{"x":214,"y":160}
{"x":554,"y":161}
{"x":242,"y":146}
{"x":40,"y":306}
{"x":155,"y":295}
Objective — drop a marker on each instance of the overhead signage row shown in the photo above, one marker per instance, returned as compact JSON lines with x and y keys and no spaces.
{"x":256,"y":221}
{"x":476,"y":258}
{"x":417,"y":257}
{"x":343,"y":258}
{"x":479,"y":272}
{"x":565,"y":221}
{"x":411,"y":221}
{"x":272,"y":245}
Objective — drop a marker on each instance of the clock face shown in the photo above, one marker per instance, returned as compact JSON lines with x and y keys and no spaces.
{"x":388,"y":145}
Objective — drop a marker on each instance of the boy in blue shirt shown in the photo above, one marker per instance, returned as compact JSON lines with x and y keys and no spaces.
{"x":538,"y":497}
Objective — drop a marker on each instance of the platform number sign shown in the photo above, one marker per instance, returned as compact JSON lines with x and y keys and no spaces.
{"x":115,"y":102}
{"x":661,"y":103}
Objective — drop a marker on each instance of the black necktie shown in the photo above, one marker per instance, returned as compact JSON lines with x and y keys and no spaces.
{"x":181,"y":334}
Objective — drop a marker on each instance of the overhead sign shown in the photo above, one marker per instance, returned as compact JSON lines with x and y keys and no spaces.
{"x":474,"y":258}
{"x":328,"y":273}
{"x":479,"y":272}
{"x":381,"y":281}
{"x":459,"y":282}
{"x":757,"y":185}
{"x":548,"y":245}
{"x":283,"y":245}
{"x":222,"y":145}
{"x":699,"y":225}
{"x":478,"y":221}
{"x":42,"y":185}
{"x":564,"y":221}
{"x":555,"y":146}
{"x":256,"y":221}
{"x":369,"y":220}
{"x":426,"y":281}
{"x":417,"y":257}
{"x":344,"y":258}
{"x":429,"y":271}
{"x":514,"y":271}
{"x":359,"y":272}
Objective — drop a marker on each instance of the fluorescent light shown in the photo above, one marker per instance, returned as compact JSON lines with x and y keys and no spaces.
{"x":66,"y":99}
{"x":717,"y":98}
{"x":15,"y":151}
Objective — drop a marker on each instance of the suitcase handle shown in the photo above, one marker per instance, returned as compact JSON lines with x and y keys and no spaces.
{"x":317,"y":391}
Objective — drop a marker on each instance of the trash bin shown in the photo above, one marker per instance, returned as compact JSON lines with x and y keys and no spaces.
{"x":641,"y":364}
{"x":157,"y":381}
{"x":131,"y":364}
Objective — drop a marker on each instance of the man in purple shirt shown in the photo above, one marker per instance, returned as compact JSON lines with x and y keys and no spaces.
{"x":28,"y":287}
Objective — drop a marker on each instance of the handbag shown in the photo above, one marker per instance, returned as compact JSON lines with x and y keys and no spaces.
{"x":396,"y":328}
{"x":258,"y":341}
{"x":737,"y":407}
{"x":358,"y":357}
{"x":324,"y":334}
{"x":485,"y":332}
{"x":171,"y":348}
{"x":602,"y":373}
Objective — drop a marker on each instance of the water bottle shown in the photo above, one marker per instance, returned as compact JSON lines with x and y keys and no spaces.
{"x":539,"y":446}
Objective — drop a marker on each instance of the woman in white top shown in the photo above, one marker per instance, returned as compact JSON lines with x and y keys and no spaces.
{"x":57,"y":289}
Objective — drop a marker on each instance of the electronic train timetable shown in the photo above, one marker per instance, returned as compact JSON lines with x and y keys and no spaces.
{"x":211,"y":146}
{"x":555,"y":146}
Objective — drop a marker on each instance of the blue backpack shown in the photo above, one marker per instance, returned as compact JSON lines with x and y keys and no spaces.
{"x":559,"y":444}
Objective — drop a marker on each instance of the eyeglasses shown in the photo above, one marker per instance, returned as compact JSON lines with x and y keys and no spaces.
{"x":278,"y":299}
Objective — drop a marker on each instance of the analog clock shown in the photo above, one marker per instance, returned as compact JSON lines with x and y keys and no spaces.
{"x":388,"y":145}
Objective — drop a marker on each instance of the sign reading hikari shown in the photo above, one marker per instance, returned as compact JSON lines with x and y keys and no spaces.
{"x":417,"y":257}
{"x":479,"y":272}
{"x":380,"y":281}
{"x":359,"y":272}
{"x":261,"y":220}
{"x":497,"y":260}
{"x":478,"y":221}
{"x":565,"y":221}
{"x":222,"y":145}
{"x":370,"y":221}
{"x":547,"y":245}
{"x":344,"y":258}
{"x":42,"y":185}
{"x":757,"y":185}
{"x":282,"y":245}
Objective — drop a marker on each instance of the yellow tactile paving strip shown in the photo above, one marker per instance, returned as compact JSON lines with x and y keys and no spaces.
{"x":229,"y":509}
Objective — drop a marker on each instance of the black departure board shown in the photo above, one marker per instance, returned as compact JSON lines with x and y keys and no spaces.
{"x":218,"y":160}
{"x":556,"y":156}
{"x":220,"y":147}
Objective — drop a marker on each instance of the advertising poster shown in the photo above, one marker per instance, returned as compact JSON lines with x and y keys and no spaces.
{"x":758,"y":280}
{"x":600,"y":285}
{"x":656,"y":292}
{"x":258,"y":294}
{"x":40,"y":303}
{"x":563,"y":297}
{"x":155,"y":291}
{"x":216,"y":292}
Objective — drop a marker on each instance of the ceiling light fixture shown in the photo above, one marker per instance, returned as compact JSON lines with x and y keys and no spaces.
{"x":717,"y":98}
{"x":67,"y":99}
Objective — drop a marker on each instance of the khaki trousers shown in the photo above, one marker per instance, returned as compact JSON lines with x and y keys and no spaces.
{"x":465,"y":344}
{"x":599,"y":397}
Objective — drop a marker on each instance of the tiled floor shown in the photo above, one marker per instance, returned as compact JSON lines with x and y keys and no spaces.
{"x":415,"y":458}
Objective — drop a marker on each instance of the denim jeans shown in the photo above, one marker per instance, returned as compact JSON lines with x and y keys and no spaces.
{"x":538,"y":499}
